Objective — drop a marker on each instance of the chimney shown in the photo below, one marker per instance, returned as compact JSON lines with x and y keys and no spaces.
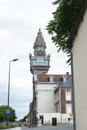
{"x":67,"y":75}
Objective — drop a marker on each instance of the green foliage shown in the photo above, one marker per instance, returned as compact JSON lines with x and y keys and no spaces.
{"x":3,"y":116}
{"x":24,"y":118}
{"x":11,"y":125}
{"x":64,"y":19}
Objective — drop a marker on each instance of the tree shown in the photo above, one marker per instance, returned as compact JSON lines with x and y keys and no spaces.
{"x":64,"y":20}
{"x":24,"y":118}
{"x":3,"y":116}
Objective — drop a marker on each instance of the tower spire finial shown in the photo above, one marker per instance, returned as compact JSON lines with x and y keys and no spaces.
{"x":39,"y":29}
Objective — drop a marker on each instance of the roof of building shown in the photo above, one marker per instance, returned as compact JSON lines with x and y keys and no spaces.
{"x":39,"y":42}
{"x":68,"y":83}
{"x":78,"y":21}
{"x":56,"y":78}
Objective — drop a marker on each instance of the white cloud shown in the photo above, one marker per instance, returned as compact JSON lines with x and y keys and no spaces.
{"x":4,"y":33}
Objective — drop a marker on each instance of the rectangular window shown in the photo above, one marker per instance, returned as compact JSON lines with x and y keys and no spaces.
{"x":68,"y":94}
{"x":68,"y":108}
{"x":35,"y":77}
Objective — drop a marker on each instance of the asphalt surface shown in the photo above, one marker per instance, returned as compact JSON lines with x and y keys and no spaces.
{"x":63,"y":127}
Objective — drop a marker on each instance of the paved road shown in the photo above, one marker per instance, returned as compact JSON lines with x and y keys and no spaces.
{"x":64,"y":127}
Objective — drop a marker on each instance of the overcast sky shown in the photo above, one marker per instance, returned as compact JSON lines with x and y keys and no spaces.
{"x":20,"y":21}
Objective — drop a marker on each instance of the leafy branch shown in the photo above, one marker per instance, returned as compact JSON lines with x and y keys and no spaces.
{"x":64,"y":19}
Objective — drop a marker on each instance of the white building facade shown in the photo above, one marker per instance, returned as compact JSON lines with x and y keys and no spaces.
{"x":53,"y":103}
{"x":79,"y":51}
{"x":45,"y":102}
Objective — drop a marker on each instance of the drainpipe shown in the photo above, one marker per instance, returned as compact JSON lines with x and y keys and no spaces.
{"x":73,"y":95}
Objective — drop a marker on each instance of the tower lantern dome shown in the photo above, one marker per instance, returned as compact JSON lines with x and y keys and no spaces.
{"x":40,"y":62}
{"x":39,"y":42}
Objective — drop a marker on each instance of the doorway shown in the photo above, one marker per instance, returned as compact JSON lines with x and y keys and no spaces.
{"x":54,"y":121}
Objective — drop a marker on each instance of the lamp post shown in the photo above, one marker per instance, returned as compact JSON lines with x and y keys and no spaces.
{"x":9,"y":90}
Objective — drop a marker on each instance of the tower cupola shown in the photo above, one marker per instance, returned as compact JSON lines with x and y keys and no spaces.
{"x":40,"y":62}
{"x":39,"y":45}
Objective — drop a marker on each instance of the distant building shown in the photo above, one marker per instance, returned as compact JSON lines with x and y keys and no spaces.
{"x":47,"y":107}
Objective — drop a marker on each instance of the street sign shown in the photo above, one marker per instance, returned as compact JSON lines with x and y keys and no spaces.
{"x":7,"y":111}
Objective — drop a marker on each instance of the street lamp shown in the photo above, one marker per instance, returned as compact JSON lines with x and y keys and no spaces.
{"x":9,"y":89}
